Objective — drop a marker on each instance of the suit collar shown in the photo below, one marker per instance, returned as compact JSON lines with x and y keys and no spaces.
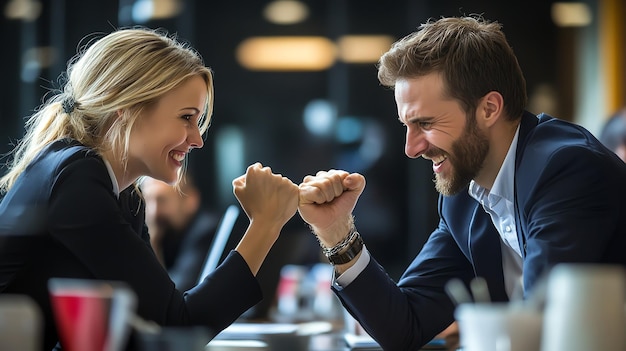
{"x":528,"y":122}
{"x":527,"y":125}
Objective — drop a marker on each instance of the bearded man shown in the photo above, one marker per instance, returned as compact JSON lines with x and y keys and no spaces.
{"x":520,"y":193}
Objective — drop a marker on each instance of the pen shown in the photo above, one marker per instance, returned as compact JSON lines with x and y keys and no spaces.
{"x":480,"y":291}
{"x":457,"y":291}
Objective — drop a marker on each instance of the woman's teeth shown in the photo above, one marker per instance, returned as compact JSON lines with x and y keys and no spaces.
{"x":178,"y":156}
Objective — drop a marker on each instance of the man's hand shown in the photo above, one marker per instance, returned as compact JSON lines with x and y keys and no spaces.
{"x":327,"y":200}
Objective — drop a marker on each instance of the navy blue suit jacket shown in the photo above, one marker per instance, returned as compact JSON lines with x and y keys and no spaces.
{"x":62,"y":219}
{"x":570,"y":206}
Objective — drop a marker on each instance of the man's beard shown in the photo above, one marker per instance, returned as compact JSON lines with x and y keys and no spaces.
{"x":467,"y":158}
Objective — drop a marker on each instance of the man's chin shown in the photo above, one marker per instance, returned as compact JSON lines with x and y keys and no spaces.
{"x":448,"y":187}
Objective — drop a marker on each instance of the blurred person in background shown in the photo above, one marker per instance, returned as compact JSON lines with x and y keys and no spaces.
{"x":519,"y":193}
{"x":613,"y":134}
{"x":181,"y":230}
{"x":135,"y":102}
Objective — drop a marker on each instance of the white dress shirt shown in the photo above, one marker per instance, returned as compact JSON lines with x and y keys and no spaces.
{"x":116,"y":189}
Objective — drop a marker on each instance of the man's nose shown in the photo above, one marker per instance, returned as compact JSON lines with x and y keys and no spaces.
{"x":416,"y":143}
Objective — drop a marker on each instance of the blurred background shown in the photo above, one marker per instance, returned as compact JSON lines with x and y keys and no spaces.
{"x":296,"y":85}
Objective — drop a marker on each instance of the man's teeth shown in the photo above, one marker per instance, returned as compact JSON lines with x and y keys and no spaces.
{"x":178,"y":156}
{"x":438,"y":160}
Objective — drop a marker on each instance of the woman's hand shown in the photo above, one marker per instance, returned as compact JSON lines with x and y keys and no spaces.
{"x":269,"y":201}
{"x":265,"y":196}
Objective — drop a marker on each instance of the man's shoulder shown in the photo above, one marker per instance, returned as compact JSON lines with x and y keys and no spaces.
{"x":557,"y":151}
{"x":556,"y":139}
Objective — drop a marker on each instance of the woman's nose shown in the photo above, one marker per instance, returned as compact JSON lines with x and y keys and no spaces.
{"x":195,"y":139}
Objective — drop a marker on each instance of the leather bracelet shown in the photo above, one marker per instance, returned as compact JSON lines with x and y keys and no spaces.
{"x":353,"y":250}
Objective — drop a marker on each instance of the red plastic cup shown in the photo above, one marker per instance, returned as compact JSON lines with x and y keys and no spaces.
{"x":90,"y":315}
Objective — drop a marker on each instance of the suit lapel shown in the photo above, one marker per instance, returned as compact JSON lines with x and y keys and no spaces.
{"x":132,"y":207}
{"x":486,"y":251}
{"x":527,"y":124}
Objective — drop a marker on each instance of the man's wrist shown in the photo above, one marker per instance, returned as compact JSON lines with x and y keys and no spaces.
{"x":345,"y":249}
{"x":347,"y":254}
{"x":335,"y":233}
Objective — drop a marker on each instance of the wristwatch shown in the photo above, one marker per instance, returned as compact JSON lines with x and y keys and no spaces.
{"x":353,"y":250}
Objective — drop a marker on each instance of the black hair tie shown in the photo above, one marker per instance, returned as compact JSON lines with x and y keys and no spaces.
{"x":68,"y":105}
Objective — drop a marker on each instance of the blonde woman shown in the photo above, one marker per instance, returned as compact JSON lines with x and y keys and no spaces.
{"x":135,"y":103}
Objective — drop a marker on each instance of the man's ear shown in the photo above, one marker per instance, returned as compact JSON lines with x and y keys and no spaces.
{"x":490,"y":109}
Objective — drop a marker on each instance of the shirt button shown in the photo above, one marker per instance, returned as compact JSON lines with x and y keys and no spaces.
{"x":507,"y":228}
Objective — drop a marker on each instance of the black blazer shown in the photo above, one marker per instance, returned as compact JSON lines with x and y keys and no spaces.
{"x":570,"y":206}
{"x":61,"y":218}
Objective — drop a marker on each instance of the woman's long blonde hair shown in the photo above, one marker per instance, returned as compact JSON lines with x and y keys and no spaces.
{"x":108,"y":84}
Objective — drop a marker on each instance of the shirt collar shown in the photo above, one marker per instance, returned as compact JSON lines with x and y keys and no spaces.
{"x":116,"y":188}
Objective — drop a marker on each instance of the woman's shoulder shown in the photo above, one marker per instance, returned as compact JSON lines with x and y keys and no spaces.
{"x":67,"y":150}
{"x":60,"y":159}
{"x":61,"y":165}
{"x":57,"y":155}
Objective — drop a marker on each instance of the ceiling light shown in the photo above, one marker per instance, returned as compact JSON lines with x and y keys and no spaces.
{"x":286,"y":12}
{"x":571,"y":14}
{"x":286,"y":53}
{"x":145,"y":10}
{"x":27,"y":10}
{"x":363,"y":48}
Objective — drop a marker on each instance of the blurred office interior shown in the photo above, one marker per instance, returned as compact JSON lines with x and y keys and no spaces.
{"x":324,"y":108}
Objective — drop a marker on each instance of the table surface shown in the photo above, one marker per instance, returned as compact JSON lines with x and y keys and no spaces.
{"x":322,"y":342}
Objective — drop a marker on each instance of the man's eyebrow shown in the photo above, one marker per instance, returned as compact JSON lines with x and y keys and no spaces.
{"x":416,"y":119}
